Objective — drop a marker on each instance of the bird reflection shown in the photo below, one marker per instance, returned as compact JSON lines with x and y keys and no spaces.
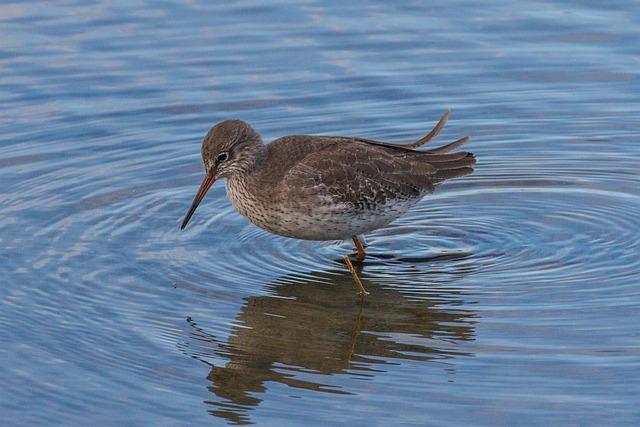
{"x":314,"y":326}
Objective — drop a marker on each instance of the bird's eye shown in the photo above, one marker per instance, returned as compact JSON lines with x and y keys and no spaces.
{"x":222,"y":157}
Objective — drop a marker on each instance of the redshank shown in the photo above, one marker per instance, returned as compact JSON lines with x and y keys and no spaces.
{"x":324,"y":187}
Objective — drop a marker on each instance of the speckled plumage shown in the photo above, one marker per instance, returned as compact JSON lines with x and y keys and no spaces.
{"x":324,"y":187}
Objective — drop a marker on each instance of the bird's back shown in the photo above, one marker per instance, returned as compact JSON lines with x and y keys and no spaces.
{"x":340,"y":162}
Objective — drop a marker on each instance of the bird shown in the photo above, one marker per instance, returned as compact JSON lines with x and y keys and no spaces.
{"x":316,"y":187}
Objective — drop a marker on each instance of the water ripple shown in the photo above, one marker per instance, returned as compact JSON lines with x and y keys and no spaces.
{"x":524,"y":273}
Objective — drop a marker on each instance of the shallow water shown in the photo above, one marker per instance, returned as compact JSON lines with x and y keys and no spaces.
{"x":510,"y":296}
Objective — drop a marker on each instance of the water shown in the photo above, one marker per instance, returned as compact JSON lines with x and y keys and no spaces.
{"x":510,"y":296}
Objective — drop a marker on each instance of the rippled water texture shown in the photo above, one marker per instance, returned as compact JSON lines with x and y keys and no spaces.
{"x":509,"y":297}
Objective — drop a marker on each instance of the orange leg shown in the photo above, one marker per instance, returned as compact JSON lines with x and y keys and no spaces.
{"x":360,"y":248}
{"x":356,"y":278}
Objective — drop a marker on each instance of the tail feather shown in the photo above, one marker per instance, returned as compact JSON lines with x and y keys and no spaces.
{"x":434,"y":132}
{"x":449,"y":147}
{"x":454,"y":168}
{"x":443,"y":175}
{"x":467,"y":160}
{"x":439,"y":158}
{"x":422,"y":141}
{"x":447,"y":165}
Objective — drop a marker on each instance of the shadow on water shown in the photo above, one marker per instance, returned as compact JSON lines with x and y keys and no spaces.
{"x":309,"y":328}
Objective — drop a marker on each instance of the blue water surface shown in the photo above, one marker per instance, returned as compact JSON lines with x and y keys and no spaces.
{"x":508,"y":297}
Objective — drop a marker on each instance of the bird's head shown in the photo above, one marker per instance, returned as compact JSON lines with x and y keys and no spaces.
{"x":228,"y":148}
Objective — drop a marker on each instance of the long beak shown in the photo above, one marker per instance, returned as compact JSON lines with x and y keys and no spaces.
{"x":207,"y":182}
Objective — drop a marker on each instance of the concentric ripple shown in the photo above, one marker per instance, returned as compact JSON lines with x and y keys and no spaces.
{"x":511,"y":293}
{"x":100,"y":236}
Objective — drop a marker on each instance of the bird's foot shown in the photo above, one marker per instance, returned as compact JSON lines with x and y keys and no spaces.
{"x":356,"y":279}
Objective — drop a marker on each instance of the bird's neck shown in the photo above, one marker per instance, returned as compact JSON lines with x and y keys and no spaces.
{"x":252,"y":158}
{"x":241,"y":183}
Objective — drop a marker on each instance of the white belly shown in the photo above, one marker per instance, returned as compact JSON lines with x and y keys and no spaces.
{"x":325,"y":221}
